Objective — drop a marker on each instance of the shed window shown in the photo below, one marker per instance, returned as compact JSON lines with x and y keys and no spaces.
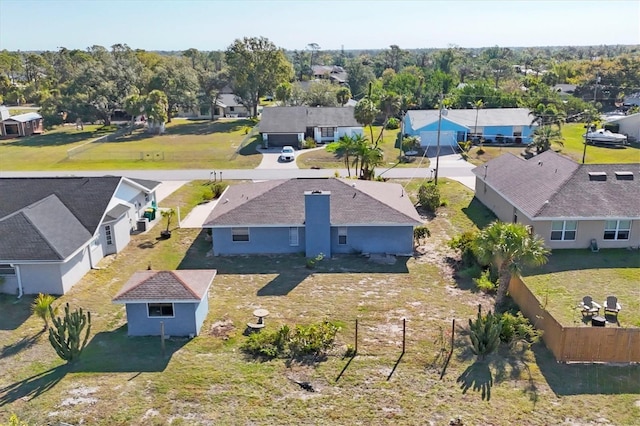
{"x":564,"y":230}
{"x":617,"y":229}
{"x":293,"y":236}
{"x":240,"y":234}
{"x":342,"y":235}
{"x":164,"y":310}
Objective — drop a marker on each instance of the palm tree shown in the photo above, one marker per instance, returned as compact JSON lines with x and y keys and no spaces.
{"x":365,"y":113}
{"x":544,"y":136}
{"x":40,"y":307}
{"x":345,"y":147}
{"x":343,"y":95}
{"x":509,"y":246}
{"x":370,"y":157}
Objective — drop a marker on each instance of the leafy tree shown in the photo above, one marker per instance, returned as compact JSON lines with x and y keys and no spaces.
{"x":134,"y":105}
{"x":343,"y":95}
{"x":509,"y":246}
{"x":155,"y":107}
{"x":283,"y":92}
{"x":257,"y":66}
{"x":40,"y":307}
{"x":359,"y":77}
{"x":429,"y":197}
{"x":178,"y":81}
{"x":544,"y":137}
{"x":66,"y":334}
{"x":321,"y":93}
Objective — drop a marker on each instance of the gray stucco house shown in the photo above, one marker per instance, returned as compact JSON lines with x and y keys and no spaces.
{"x":54,"y":230}
{"x":494,"y":125}
{"x":313,"y":216}
{"x":566,"y":203}
{"x":280,"y":126}
{"x":179,"y":299}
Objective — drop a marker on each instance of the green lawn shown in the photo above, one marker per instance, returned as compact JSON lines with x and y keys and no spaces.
{"x":186,"y":144}
{"x":573,"y":147}
{"x":326,"y":160}
{"x":207,"y":380}
{"x":572,"y":274}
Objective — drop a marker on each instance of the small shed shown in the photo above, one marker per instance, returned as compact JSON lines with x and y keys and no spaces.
{"x":179,"y":299}
{"x":22,"y":125}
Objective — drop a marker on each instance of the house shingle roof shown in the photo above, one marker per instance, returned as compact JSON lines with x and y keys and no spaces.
{"x":552,"y":186}
{"x":281,"y":202}
{"x":467,"y":117}
{"x":297,"y":119}
{"x":170,"y":286}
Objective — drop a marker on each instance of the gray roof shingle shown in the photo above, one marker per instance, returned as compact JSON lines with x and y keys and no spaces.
{"x":281,"y":202}
{"x":297,"y":119}
{"x":552,"y":186}
{"x":171,"y":286}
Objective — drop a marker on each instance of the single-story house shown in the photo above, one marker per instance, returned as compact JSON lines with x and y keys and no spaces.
{"x":628,"y":125}
{"x":568,"y":204}
{"x":25,"y":124}
{"x":280,"y":126}
{"x":227,"y":106}
{"x":178,"y":299}
{"x":495,"y":125}
{"x":54,"y":230}
{"x":632,"y":99}
{"x":334,"y":73}
{"x":313,"y":216}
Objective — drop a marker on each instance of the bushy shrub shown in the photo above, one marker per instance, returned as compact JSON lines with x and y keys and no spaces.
{"x":393,"y":123}
{"x":484,"y":282}
{"x":313,"y":339}
{"x":207,"y":194}
{"x":420,"y":233}
{"x":484,"y":333}
{"x":463,"y":244}
{"x":517,"y":328}
{"x":429,"y":197}
{"x":309,"y":143}
{"x":473,"y":271}
{"x":218,"y":188}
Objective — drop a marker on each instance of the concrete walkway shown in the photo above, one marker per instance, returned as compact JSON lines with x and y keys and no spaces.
{"x":197,"y":216}
{"x":167,"y":188}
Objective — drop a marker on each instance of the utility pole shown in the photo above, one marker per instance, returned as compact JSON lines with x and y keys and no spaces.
{"x":438,"y":139}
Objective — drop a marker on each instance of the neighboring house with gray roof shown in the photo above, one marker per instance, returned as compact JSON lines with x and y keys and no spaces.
{"x":282,"y":126}
{"x":228,"y":105}
{"x":54,"y":230}
{"x":26,"y":124}
{"x":494,"y":125}
{"x":334,"y":73}
{"x":179,"y":299}
{"x":313,"y":216}
{"x":566,"y":203}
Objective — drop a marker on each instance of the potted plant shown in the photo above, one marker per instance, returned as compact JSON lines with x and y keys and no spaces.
{"x":167,"y":215}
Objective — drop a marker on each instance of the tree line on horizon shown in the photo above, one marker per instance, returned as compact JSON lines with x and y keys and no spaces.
{"x":90,"y":85}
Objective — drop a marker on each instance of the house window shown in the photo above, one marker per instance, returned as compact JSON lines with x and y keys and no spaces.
{"x":617,"y":229}
{"x":162,"y":310}
{"x":6,"y":269}
{"x":564,"y":230}
{"x":342,"y":235}
{"x":107,"y":233}
{"x":232,"y":109}
{"x":327,"y":132}
{"x":293,"y":236}
{"x":240,"y":234}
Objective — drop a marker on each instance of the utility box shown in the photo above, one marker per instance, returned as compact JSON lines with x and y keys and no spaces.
{"x":142,"y":224}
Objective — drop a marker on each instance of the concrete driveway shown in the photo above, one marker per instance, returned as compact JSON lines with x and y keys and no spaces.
{"x":271,"y":160}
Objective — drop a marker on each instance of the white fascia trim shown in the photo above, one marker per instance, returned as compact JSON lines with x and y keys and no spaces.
{"x":147,"y":301}
{"x":585,"y":219}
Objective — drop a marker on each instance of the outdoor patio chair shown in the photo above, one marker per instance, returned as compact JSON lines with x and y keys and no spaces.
{"x":588,"y":307}
{"x":611,"y":306}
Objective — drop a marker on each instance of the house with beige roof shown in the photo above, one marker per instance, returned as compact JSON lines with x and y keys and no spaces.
{"x":568,"y":204}
{"x":313,"y":216}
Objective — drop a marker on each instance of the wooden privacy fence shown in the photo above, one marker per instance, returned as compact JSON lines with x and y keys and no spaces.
{"x":577,"y":344}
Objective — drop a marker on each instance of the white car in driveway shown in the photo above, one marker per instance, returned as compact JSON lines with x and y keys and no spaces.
{"x":287,"y":153}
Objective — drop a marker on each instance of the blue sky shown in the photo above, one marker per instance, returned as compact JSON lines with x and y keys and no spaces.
{"x":360,"y":24}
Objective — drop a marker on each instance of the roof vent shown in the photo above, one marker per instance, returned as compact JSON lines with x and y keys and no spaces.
{"x":597,"y":176}
{"x":624,"y":175}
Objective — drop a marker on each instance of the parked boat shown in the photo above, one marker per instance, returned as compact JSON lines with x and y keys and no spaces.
{"x":605,"y":137}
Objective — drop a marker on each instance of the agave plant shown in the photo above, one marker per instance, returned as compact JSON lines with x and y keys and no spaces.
{"x":40,"y":307}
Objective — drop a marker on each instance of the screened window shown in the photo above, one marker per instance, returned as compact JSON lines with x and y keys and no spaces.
{"x":564,"y":230}
{"x":617,"y":229}
{"x":108,"y":235}
{"x":293,"y":236}
{"x":160,"y":310}
{"x":342,"y":235}
{"x":240,"y":234}
{"x":327,"y":132}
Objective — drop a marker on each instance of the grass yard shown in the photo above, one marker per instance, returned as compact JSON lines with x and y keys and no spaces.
{"x":186,"y":145}
{"x":570,"y":275}
{"x":326,"y":160}
{"x":207,"y":380}
{"x":573,"y":147}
